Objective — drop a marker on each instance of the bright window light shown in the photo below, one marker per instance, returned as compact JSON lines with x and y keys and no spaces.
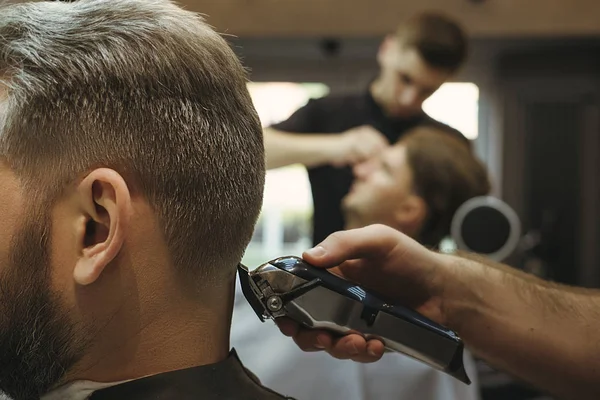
{"x":276,"y":101}
{"x":456,"y":104}
{"x":284,"y":226}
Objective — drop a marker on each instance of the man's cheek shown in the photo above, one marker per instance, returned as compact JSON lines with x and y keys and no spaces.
{"x":10,"y":212}
{"x":6,"y":238}
{"x":4,"y":263}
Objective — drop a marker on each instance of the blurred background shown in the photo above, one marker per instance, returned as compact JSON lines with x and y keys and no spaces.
{"x":529,"y":97}
{"x":284,"y":226}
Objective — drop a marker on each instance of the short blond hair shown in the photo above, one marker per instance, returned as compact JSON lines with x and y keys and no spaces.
{"x":149,"y":90}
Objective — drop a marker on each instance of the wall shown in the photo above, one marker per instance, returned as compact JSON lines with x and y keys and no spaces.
{"x":551,"y":110}
{"x":354,"y":18}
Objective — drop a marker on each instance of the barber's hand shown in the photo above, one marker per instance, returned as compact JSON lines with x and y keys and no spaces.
{"x":386,"y":261}
{"x":359,"y":144}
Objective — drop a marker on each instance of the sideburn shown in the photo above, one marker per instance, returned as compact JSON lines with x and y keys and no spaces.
{"x":37,"y":341}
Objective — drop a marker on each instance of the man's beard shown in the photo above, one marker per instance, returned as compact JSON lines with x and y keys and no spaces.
{"x":37,"y":343}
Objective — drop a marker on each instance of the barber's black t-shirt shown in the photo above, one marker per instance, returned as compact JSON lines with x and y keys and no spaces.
{"x":336,"y":114}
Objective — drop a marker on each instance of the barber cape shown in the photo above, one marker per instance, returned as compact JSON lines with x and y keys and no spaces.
{"x":226,"y":380}
{"x":282,"y":366}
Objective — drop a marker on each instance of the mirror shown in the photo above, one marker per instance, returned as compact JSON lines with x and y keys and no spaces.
{"x":488,"y":226}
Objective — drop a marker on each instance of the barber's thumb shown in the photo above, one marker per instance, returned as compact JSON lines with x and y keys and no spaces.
{"x":315,"y":254}
{"x":330,"y":252}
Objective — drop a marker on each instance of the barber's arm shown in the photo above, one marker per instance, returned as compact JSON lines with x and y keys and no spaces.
{"x":546,"y":334}
{"x":303,"y":139}
{"x":313,"y":150}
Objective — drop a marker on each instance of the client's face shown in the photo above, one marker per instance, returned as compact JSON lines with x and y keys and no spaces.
{"x":37,"y":343}
{"x":381,"y":190}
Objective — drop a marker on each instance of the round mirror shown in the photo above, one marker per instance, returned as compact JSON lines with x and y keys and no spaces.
{"x":487,"y":226}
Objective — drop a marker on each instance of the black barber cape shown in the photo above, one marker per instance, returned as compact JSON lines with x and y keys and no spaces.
{"x":336,"y":114}
{"x":226,"y":380}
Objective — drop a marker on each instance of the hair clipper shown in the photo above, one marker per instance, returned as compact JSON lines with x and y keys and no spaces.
{"x":290,"y":287}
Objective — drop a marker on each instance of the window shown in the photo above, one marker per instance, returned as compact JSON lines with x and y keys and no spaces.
{"x":456,"y":104}
{"x":284,"y":225}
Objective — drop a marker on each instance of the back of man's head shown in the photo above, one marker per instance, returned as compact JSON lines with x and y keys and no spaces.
{"x":438,"y":39}
{"x":148,"y":90}
{"x":132,"y":171}
{"x":445,"y":173}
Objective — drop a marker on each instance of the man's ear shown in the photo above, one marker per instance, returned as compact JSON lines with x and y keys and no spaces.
{"x":411,"y":213}
{"x":106,"y":203}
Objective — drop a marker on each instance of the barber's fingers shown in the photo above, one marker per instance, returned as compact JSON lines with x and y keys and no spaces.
{"x":362,"y":143}
{"x":369,"y":144}
{"x":355,"y":347}
{"x":349,"y":347}
{"x":287,"y":326}
{"x":306,"y":339}
{"x":375,"y":349}
{"x":313,"y":340}
{"x":372,"y":242}
{"x":372,"y":137}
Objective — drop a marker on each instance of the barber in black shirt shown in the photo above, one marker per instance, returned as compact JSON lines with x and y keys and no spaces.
{"x":330,"y":134}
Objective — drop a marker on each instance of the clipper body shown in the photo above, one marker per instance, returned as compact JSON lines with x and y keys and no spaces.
{"x":290,"y":287}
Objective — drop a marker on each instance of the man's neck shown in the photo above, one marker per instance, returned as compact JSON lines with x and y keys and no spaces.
{"x":377,"y":91}
{"x":178,"y":338}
